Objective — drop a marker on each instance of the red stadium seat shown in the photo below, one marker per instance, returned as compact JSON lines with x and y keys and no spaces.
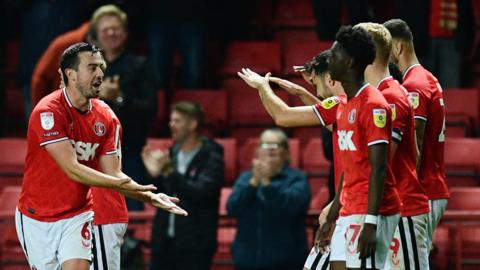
{"x":247,"y":152}
{"x":160,"y":123}
{"x":299,"y":35}
{"x":12,"y":156}
{"x":319,"y":194}
{"x":462,"y":108}
{"x":294,"y":14}
{"x":10,"y":249}
{"x":230,"y":158}
{"x":247,"y":109}
{"x":462,"y":161}
{"x":313,"y":159}
{"x":214,"y":103}
{"x":305,"y":134}
{"x":297,"y":53}
{"x":224,"y":195}
{"x":259,"y":56}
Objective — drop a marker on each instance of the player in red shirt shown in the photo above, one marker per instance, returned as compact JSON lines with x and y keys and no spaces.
{"x":408,"y":249}
{"x":426,"y":97}
{"x":70,"y":135}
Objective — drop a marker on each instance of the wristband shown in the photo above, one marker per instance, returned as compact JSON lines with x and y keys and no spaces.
{"x":371,"y":219}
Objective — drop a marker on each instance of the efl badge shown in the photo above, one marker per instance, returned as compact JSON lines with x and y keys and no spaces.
{"x":379,"y":117}
{"x":352,"y":115}
{"x":414,"y":99}
{"x":46,"y":119}
{"x":99,"y":129}
{"x":394,"y":111}
{"x":330,"y":102}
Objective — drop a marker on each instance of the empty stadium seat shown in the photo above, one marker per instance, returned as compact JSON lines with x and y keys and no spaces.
{"x":230,"y":159}
{"x":319,"y":194}
{"x":297,"y":53}
{"x":462,"y":161}
{"x":259,"y":56}
{"x":10,"y":249}
{"x":462,"y":108}
{"x":294,"y":14}
{"x":214,"y":103}
{"x":12,"y":156}
{"x":313,"y":159}
{"x":247,"y":152}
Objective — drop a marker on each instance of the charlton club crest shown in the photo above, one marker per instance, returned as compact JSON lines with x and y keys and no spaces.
{"x":99,"y":129}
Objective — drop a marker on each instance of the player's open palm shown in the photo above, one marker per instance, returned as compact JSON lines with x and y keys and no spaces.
{"x":129,"y":185}
{"x":168,"y":203}
{"x":367,"y":241}
{"x":291,"y":88}
{"x":252,"y":78}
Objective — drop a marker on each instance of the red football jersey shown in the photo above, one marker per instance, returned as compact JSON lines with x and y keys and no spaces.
{"x":109,"y":205}
{"x":426,"y":97}
{"x":326,"y":111}
{"x":48,"y":194}
{"x":412,"y":194}
{"x":365,"y":120}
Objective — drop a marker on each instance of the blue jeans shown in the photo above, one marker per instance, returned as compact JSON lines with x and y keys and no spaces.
{"x":163,"y":39}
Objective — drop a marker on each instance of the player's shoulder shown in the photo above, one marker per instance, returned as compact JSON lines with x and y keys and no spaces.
{"x":52,"y":101}
{"x":102,"y":108}
{"x":372,"y":97}
{"x":331,"y":102}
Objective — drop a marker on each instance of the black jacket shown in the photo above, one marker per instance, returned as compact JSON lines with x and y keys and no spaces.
{"x":199,"y":193}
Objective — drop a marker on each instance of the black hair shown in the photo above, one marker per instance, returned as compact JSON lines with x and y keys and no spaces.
{"x":399,"y":29}
{"x":319,"y":63}
{"x":395,"y":72}
{"x":70,"y":57}
{"x":358,"y":44}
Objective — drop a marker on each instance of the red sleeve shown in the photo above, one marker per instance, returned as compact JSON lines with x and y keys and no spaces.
{"x":326,"y":110}
{"x":49,"y":125}
{"x":112,"y":141}
{"x":400,"y":116}
{"x":377,"y":123}
{"x":419,"y":101}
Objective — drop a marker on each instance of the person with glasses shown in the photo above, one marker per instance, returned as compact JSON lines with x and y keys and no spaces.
{"x":270,"y":203}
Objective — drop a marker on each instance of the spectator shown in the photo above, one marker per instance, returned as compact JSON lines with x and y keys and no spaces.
{"x":128,"y":88}
{"x":270,"y":203}
{"x":176,"y":24}
{"x":192,"y":169}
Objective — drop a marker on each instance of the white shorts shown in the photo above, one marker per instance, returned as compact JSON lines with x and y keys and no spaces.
{"x":107,"y":241}
{"x":385,"y":229}
{"x":437,"y":208}
{"x":317,"y":261}
{"x":338,"y":242}
{"x":48,"y":245}
{"x":409,"y":247}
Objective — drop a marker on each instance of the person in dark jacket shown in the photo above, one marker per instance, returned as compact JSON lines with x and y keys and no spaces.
{"x":270,"y":203}
{"x":193,"y":170}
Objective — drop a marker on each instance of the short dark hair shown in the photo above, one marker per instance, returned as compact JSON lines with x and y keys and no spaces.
{"x":319,"y":63}
{"x":358,"y":44}
{"x":191,"y":110}
{"x":70,"y":57}
{"x":395,"y":72}
{"x":399,"y":29}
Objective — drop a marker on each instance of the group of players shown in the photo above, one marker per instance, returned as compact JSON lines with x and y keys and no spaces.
{"x":388,"y":141}
{"x":388,"y":145}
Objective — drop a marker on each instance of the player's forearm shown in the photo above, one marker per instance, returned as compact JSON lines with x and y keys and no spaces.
{"x":308,"y":98}
{"x":91,"y":177}
{"x":143,"y":196}
{"x":335,"y":205}
{"x":375,"y":188}
{"x":274,"y":105}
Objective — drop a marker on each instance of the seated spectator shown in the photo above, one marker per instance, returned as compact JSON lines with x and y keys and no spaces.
{"x":270,"y":203}
{"x":193,"y":170}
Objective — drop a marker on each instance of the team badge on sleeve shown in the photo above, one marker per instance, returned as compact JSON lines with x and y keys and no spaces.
{"x":330,"y":102}
{"x":414,"y":99}
{"x":46,"y":120}
{"x":394,"y":111}
{"x":379,"y":117}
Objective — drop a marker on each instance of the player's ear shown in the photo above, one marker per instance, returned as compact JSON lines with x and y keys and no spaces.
{"x":71,"y":74}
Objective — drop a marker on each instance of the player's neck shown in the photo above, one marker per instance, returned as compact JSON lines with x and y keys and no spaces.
{"x":408,"y":60}
{"x":376,"y":72}
{"x":351,"y":84}
{"x":78,"y":101}
{"x":191,"y":143}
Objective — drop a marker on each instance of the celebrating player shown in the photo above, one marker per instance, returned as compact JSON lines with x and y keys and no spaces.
{"x":71,"y":138}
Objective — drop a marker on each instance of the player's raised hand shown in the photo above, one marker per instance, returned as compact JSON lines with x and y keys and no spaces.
{"x":253,"y":79}
{"x":167,"y":203}
{"x":291,"y":88}
{"x":127,"y":184}
{"x":367,"y":241}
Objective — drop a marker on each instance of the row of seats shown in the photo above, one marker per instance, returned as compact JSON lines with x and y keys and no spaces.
{"x":462,"y":158}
